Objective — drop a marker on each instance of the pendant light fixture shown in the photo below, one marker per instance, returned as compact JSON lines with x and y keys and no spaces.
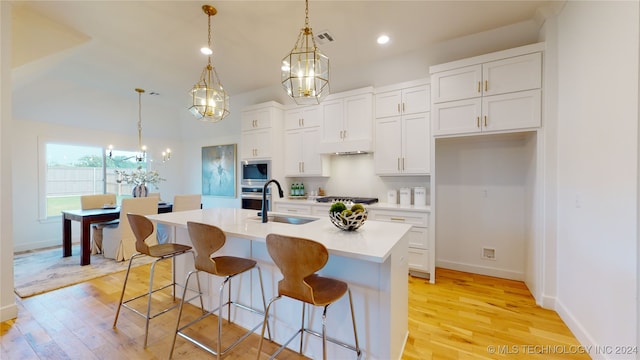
{"x":209,"y":100}
{"x":305,"y":70}
{"x":142,"y":149}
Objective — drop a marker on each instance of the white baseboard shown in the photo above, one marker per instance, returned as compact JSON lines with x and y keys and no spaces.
{"x":37,"y":245}
{"x":8,"y":312}
{"x":578,"y":330}
{"x":482,"y":270}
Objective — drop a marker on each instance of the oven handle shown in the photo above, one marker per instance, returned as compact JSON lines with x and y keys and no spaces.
{"x":251,"y":196}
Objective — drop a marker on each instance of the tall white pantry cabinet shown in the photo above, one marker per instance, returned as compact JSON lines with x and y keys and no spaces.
{"x":496,"y":97}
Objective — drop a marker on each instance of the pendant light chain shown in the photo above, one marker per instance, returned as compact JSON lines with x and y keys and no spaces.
{"x":140,"y":91}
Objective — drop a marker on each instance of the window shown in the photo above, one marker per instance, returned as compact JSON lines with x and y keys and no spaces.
{"x":75,"y":170}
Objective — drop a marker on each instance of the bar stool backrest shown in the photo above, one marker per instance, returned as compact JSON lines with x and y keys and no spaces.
{"x":142,"y":228}
{"x":297,"y":259}
{"x":206,"y":239}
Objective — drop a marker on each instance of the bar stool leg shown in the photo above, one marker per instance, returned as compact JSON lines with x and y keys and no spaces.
{"x":264,"y":303}
{"x":146,"y":325}
{"x":353,"y":321}
{"x":301,"y":331}
{"x":124,"y":287}
{"x":184,"y":296}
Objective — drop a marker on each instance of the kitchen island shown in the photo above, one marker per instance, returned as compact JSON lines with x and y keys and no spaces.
{"x":372,"y":260}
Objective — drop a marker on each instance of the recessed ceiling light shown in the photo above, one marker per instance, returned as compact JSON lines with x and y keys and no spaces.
{"x":205,"y":50}
{"x":383,"y":39}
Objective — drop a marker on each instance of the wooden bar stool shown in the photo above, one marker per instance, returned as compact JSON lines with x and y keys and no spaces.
{"x":142,"y":229}
{"x":298,"y":259}
{"x":207,"y":239}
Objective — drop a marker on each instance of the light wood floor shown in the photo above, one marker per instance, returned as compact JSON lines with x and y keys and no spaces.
{"x":461,"y":317}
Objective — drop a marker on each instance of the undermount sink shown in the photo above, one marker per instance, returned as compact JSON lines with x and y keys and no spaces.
{"x":294,"y":220}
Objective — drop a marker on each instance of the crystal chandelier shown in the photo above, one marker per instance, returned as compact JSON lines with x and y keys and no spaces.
{"x":142,"y":149}
{"x":209,"y":100}
{"x":305,"y":70}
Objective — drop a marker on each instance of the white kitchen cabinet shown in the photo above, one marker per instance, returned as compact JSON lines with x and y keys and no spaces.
{"x":301,"y":154}
{"x":419,"y":242}
{"x":347,"y":122}
{"x":499,"y":95}
{"x":261,"y":135}
{"x":403,"y":101}
{"x":403,"y":131}
{"x":303,"y":117}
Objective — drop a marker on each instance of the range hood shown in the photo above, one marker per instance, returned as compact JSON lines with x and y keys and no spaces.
{"x":346,"y":147}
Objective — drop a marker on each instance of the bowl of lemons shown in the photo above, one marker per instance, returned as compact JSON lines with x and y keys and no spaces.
{"x":345,"y":218}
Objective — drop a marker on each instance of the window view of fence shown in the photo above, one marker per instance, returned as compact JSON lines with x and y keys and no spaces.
{"x":74,"y":170}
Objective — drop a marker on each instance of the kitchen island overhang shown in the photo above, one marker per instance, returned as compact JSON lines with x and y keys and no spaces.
{"x":372,"y":260}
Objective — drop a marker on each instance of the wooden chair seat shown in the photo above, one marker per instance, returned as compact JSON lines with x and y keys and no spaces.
{"x":325,"y":290}
{"x":162,"y":250}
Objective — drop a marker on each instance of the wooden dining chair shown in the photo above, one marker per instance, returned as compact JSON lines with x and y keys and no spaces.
{"x":142,"y":228}
{"x":98,"y":201}
{"x":298,"y":260}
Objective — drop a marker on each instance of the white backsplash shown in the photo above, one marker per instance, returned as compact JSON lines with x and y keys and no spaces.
{"x":354,"y":175}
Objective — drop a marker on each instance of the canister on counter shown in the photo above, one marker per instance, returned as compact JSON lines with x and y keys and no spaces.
{"x":392,"y":196}
{"x":420,"y":196}
{"x":405,"y":196}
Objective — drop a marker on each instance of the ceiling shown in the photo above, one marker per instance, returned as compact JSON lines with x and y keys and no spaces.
{"x":116,"y":46}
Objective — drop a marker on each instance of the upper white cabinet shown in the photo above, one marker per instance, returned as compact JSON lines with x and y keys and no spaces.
{"x":261,"y":126}
{"x":402,"y":131}
{"x":301,"y":140}
{"x":302,"y":117}
{"x":495,"y":94}
{"x":347,"y":122}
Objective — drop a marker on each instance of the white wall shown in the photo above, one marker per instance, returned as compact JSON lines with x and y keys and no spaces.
{"x":483,"y":200}
{"x":8,"y":308}
{"x":597,"y":160}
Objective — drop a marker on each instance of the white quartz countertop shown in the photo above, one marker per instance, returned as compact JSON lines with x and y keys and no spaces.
{"x":378,"y":205}
{"x":373,"y":241}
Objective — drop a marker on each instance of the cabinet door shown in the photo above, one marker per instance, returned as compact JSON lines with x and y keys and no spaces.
{"x":456,"y":84}
{"x":292,"y":154}
{"x":311,"y":158}
{"x":303,"y":117}
{"x":416,"y":149}
{"x":256,"y":119}
{"x":358,"y":117}
{"x":332,"y":121}
{"x":388,"y":145}
{"x":513,"y":74}
{"x":416,"y":100}
{"x":457,"y":117}
{"x":388,"y":103}
{"x":511,"y":111}
{"x":293,"y":119}
{"x":256,"y":144}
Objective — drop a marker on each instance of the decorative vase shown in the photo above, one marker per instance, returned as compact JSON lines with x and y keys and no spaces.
{"x":140,"y":191}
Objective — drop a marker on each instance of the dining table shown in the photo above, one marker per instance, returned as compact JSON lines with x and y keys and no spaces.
{"x":86,"y":218}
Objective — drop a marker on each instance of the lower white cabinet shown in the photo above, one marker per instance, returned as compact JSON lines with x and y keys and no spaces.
{"x":419,"y":264}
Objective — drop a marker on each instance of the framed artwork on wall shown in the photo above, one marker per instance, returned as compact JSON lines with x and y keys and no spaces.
{"x":219,"y":170}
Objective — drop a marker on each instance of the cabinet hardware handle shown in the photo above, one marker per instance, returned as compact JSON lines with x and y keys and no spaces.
{"x":398,"y":108}
{"x":485,"y":120}
{"x":302,"y":121}
{"x":292,"y":210}
{"x":303,"y":166}
{"x":486,"y":85}
{"x":402,"y":164}
{"x":398,"y":164}
{"x":478,"y":121}
{"x":345,"y":134}
{"x":397,"y":219}
{"x":479,"y":89}
{"x":403,"y":110}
